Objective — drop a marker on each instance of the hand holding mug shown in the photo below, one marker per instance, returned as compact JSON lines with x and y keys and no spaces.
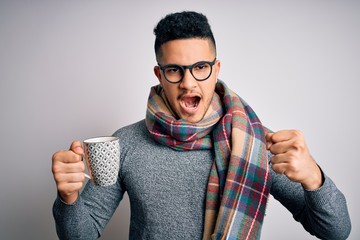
{"x":102,"y":155}
{"x":68,"y":170}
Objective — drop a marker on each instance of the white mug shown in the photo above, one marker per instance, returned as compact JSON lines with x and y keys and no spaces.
{"x":102,"y":155}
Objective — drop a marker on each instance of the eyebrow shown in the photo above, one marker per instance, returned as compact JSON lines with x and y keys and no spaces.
{"x":190,"y":65}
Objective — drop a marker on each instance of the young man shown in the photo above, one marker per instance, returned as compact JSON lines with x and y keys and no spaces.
{"x":201,"y":165}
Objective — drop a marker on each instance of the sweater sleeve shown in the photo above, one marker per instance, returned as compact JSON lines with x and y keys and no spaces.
{"x":87,"y":216}
{"x":322,"y":212}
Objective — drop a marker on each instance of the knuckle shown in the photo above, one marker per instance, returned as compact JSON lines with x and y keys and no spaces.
{"x":298,"y":145}
{"x":297,"y":133}
{"x":292,"y":167}
{"x":81,"y":167}
{"x":63,"y":156}
{"x":292,"y":157}
{"x":55,"y":168}
{"x":55,"y":156}
{"x":59,"y":178}
{"x":76,"y":158}
{"x":83,"y":178}
{"x":70,"y":157}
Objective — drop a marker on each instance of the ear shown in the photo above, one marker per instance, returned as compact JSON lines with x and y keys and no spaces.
{"x":157,"y":73}
{"x":216,"y":68}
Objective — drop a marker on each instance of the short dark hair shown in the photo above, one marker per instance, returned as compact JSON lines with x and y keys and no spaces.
{"x":182,"y":25}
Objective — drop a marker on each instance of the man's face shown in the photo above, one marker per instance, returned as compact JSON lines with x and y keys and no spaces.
{"x":190,"y":98}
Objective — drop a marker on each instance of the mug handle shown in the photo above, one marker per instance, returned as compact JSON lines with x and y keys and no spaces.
{"x":86,"y":175}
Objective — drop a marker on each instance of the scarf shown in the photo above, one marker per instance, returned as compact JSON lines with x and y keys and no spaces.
{"x":239,"y":180}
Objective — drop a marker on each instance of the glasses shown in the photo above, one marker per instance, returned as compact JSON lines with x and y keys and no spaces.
{"x":175,"y":73}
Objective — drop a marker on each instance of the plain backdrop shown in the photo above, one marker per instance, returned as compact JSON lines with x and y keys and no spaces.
{"x":76,"y":69}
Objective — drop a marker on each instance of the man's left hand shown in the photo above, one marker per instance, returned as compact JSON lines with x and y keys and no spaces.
{"x":292,"y":158}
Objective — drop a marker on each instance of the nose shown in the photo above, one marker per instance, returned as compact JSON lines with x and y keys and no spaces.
{"x":188,"y":82}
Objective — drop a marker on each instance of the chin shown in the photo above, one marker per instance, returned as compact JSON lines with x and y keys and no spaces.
{"x":192,"y":119}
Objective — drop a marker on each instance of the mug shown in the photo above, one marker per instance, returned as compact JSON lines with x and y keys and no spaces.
{"x":102,"y":155}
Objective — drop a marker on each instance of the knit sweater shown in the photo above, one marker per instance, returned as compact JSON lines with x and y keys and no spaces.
{"x":167,"y":188}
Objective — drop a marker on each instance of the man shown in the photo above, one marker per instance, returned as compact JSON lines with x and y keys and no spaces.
{"x":201,"y":165}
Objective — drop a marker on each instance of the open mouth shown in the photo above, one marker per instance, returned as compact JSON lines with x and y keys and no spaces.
{"x":190,"y":103}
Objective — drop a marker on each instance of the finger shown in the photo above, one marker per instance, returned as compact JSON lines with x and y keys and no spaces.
{"x":281,"y":147}
{"x":268,"y":140}
{"x":77,"y":167}
{"x":279,"y":168}
{"x":66,"y":157}
{"x":64,"y":178}
{"x":268,"y":136}
{"x":284,"y":135}
{"x":76,"y":147}
{"x":64,"y":172}
{"x":279,"y":158}
{"x":69,"y":188}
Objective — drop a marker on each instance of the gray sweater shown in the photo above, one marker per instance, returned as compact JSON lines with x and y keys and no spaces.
{"x":167,"y":191}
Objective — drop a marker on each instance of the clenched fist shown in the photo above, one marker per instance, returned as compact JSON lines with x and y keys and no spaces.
{"x":292,"y":158}
{"x":68,"y":170}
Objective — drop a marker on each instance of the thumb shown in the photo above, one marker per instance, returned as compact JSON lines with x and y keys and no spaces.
{"x":76,"y":147}
{"x":269,"y":141}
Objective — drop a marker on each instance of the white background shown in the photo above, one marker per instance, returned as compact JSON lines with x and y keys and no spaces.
{"x":76,"y":69}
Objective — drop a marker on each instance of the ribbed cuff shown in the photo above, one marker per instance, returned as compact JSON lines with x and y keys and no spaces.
{"x":63,"y":202}
{"x":320,"y":197}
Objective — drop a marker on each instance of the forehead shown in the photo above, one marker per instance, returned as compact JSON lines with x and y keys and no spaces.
{"x":186,"y":51}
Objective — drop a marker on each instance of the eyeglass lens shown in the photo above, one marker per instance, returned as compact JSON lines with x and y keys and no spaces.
{"x":200,"y":71}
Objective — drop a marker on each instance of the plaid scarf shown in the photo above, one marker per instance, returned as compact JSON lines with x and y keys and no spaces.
{"x":239,"y":181}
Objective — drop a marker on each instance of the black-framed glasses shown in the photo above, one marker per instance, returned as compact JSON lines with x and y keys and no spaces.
{"x":175,"y":73}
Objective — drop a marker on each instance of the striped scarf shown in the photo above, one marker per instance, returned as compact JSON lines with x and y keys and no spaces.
{"x":239,"y":181}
